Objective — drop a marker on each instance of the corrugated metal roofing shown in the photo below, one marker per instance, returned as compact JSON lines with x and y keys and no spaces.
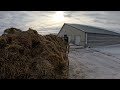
{"x":92,"y":29}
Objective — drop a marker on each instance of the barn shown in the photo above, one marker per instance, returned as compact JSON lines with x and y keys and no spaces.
{"x":89,"y":36}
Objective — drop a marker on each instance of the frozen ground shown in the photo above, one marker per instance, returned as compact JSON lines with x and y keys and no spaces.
{"x":95,"y":63}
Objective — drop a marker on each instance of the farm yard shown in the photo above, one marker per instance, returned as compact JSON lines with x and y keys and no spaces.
{"x":102,"y":62}
{"x":34,"y":45}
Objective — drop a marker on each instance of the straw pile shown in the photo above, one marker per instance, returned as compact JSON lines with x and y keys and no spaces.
{"x":28,"y":55}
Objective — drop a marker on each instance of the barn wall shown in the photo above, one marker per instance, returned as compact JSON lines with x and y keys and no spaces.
{"x":102,"y":39}
{"x":72,"y":32}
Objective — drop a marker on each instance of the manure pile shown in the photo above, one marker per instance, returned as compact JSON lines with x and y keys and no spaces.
{"x":28,"y":55}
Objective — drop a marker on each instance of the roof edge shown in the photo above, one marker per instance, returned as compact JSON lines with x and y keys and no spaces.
{"x":92,"y":27}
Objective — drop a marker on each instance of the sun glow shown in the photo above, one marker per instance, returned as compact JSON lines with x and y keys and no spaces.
{"x":59,"y":16}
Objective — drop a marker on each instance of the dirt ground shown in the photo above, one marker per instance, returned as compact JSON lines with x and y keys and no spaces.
{"x":94,"y":63}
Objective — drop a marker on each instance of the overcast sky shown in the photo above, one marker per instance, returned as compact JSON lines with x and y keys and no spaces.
{"x":46,"y":22}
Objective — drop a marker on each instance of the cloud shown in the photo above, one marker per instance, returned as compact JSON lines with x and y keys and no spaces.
{"x":42,"y":20}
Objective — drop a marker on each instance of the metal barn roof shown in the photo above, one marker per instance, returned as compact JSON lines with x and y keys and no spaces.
{"x":92,"y":29}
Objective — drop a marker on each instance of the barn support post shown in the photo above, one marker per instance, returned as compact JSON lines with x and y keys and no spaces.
{"x":85,"y":40}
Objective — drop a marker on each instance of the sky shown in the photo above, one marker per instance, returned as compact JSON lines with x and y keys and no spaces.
{"x":46,"y":22}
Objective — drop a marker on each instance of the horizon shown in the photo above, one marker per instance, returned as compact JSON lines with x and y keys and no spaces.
{"x":48,"y":22}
